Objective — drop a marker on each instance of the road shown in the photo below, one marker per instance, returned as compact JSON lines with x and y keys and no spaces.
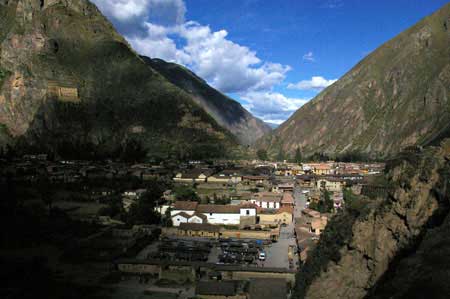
{"x":300,"y":202}
{"x":277,"y":253}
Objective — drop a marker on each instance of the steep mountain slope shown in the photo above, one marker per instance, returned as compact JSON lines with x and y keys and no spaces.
{"x":393,"y":246}
{"x":396,"y":97}
{"x":70,"y":84}
{"x":227,"y":112}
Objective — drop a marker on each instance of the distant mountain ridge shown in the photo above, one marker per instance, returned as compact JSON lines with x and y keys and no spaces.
{"x":71,"y":85}
{"x":226,"y":111}
{"x":397,"y":96}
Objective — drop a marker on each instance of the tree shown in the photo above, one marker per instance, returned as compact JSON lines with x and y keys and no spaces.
{"x":262,"y":155}
{"x":298,"y":156}
{"x":185,"y":193}
{"x":281,"y":156}
{"x":142,"y":213}
{"x":325,"y":205}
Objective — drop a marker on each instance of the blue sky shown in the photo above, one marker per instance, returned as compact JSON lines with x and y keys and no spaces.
{"x":272,"y":56}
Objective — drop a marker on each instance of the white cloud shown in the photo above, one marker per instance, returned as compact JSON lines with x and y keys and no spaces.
{"x":309,"y":57}
{"x":316,"y":83}
{"x":123,"y":10}
{"x":228,"y":66}
{"x":157,"y":28}
{"x":271,"y":106}
{"x":162,"y":12}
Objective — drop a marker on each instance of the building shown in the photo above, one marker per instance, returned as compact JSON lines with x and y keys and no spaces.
{"x":306,"y":181}
{"x":287,"y":200}
{"x":187,"y":207}
{"x":192,"y":212}
{"x":224,"y":179}
{"x":287,"y":187}
{"x":196,"y":175}
{"x":331,"y":184}
{"x":203,"y":230}
{"x":318,"y":224}
{"x":318,"y":168}
{"x":267,"y":200}
{"x":255,"y":179}
{"x":279,"y":216}
{"x":183,"y":217}
{"x":228,"y":214}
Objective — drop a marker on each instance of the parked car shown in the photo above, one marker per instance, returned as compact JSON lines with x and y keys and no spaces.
{"x":262,"y":256}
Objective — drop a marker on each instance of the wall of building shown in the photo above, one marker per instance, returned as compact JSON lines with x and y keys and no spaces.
{"x":243,"y":275}
{"x":275,"y":218}
{"x":248,"y":212}
{"x":247,"y":234}
{"x":225,"y":218}
{"x":177,"y":220}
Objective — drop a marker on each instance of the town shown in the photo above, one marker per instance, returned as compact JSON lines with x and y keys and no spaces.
{"x":199,"y":229}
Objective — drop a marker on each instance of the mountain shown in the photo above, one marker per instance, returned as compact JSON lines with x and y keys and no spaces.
{"x":227,"y":112}
{"x":393,"y":245}
{"x":71,"y":85}
{"x":397,"y":96}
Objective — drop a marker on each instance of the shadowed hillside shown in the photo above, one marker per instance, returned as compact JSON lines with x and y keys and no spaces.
{"x":71,"y":85}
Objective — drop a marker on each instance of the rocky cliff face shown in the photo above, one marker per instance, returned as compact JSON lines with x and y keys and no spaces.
{"x":70,"y":84}
{"x":227,"y":112}
{"x":369,"y":251}
{"x":397,"y":96}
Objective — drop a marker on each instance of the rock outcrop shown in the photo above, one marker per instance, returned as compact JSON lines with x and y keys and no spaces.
{"x":368,"y":252}
{"x":398,"y":96}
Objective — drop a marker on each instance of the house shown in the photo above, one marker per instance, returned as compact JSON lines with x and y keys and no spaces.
{"x":287,"y":187}
{"x":306,"y":181}
{"x":266,"y":200}
{"x":187,"y":207}
{"x":282,"y":215}
{"x":183,"y":217}
{"x":192,"y":212}
{"x":318,"y":168}
{"x":318,"y":224}
{"x":182,"y":211}
{"x":196,"y":175}
{"x":224,"y":179}
{"x":331,"y":184}
{"x":180,"y":218}
{"x":227,"y":214}
{"x":203,"y":230}
{"x":287,"y":200}
{"x":255,"y":179}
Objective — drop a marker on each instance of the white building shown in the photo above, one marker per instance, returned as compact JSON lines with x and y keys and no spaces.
{"x":189,"y":212}
{"x":187,"y":207}
{"x":183,"y":217}
{"x":267,"y":200}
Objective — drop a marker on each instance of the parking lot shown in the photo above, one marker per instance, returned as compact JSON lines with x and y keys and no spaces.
{"x":225,"y":251}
